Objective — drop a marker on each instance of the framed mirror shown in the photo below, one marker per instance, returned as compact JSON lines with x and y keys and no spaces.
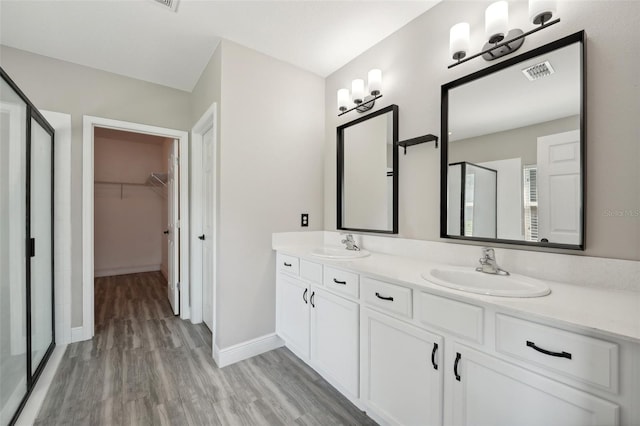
{"x":368,"y":173}
{"x":513,"y":150}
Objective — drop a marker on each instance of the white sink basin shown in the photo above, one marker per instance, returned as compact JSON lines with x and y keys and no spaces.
{"x":472,"y":281}
{"x":337,"y":253}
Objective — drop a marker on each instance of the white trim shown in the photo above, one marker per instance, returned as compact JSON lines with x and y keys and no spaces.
{"x":206,"y":122}
{"x":34,"y":403}
{"x":61,"y":123}
{"x":124,"y":271}
{"x":77,"y":334}
{"x":88,"y":124}
{"x":248,"y":349}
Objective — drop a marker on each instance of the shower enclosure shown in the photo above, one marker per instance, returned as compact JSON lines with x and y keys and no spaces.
{"x":26,"y":247}
{"x":472,"y":200}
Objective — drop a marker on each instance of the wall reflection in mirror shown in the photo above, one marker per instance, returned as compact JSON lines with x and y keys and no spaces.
{"x":513,"y":154}
{"x":367,"y":173}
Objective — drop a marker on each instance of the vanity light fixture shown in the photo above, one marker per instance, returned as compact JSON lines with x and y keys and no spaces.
{"x":501,"y":40}
{"x":363,"y":99}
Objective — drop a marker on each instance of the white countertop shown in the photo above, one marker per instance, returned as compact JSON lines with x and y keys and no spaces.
{"x":605,"y":311}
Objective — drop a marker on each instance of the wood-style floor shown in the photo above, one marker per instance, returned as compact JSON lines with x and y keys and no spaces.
{"x":147,"y":367}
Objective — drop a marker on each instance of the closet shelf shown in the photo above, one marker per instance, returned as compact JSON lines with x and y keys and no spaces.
{"x":158,"y":183}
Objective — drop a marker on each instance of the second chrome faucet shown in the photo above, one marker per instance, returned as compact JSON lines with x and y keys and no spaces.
{"x":488,"y":263}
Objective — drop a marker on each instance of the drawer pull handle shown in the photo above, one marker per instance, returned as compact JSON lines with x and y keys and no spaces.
{"x":433,"y":356}
{"x":550,"y":353}
{"x":384,"y":297}
{"x":455,"y":366}
{"x":339,"y":282}
{"x":304,"y":295}
{"x":311,"y":300}
{"x":288,"y":265}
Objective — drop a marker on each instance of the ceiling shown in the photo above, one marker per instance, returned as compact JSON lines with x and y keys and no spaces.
{"x":508,"y":100}
{"x":145,"y":40}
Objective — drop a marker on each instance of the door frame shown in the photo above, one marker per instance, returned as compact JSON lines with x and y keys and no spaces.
{"x":88,"y":125}
{"x":206,"y":122}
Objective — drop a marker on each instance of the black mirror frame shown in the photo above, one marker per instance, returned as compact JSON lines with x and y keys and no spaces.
{"x":340,"y":169}
{"x":578,"y":37}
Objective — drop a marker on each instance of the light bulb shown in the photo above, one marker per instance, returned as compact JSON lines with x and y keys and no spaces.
{"x":459,"y":41}
{"x":357,"y":90}
{"x":541,"y":11}
{"x":343,"y":99}
{"x":496,"y":21}
{"x":375,"y":82}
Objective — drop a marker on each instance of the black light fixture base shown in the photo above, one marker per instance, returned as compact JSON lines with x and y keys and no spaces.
{"x":506,"y":48}
{"x":365,"y":106}
{"x":542,"y":18}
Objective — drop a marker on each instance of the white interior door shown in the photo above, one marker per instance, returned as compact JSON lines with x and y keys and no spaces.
{"x":559,"y":184}
{"x":173,"y":239}
{"x":207,"y":237}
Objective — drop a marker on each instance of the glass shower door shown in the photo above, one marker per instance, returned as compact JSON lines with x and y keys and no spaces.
{"x":13,"y":279}
{"x":41,"y":288}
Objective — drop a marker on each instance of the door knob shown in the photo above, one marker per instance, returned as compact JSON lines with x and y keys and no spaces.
{"x":201,"y":237}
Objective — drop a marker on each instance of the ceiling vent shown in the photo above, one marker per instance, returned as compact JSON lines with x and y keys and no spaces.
{"x":538,"y":71}
{"x":171,"y":4}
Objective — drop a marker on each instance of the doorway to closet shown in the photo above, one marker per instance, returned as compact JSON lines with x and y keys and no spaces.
{"x":135,"y":225}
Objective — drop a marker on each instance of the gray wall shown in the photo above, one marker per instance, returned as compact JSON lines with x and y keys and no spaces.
{"x":414,"y":64}
{"x":514,"y":143}
{"x":77,"y":90}
{"x":271,"y":170}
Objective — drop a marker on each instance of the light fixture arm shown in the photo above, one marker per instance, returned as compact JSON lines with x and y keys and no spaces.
{"x":505,"y":43}
{"x":366,"y":105}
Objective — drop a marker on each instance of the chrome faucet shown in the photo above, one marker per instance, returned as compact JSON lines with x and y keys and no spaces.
{"x":350,"y":242}
{"x":488,"y":263}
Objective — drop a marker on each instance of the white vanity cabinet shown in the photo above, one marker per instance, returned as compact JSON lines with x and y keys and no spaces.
{"x":401,"y":371}
{"x":317,"y":325}
{"x":488,"y":391}
{"x":293,"y":313}
{"x":334,"y":339}
{"x":410,"y":355}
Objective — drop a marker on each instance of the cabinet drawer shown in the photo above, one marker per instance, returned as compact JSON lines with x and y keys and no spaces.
{"x":390,"y":297}
{"x":311,"y":271}
{"x":458,"y":318}
{"x":586,"y":359}
{"x":288,"y":264}
{"x":341,"y":281}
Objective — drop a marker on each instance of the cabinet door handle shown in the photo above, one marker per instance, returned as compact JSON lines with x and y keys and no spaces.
{"x":339,"y":282}
{"x":313,"y":294}
{"x":546,"y":352}
{"x":288,"y":265}
{"x":304,"y":295}
{"x":434,"y":351}
{"x":384,"y":297}
{"x":165,"y":232}
{"x":455,"y":366}
{"x":201,"y":237}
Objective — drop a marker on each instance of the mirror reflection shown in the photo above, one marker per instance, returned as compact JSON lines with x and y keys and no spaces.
{"x":367,"y":173}
{"x":514,"y":150}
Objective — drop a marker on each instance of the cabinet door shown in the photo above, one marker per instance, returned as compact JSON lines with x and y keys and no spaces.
{"x":293,"y":314}
{"x":334,"y":339}
{"x":402,"y":371}
{"x":493,"y":392}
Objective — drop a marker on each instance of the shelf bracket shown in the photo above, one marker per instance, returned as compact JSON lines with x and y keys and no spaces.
{"x":415,"y":141}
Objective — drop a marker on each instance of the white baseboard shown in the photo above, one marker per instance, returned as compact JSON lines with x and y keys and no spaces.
{"x":244,"y":350}
{"x":34,"y":403}
{"x":124,"y":271}
{"x":77,"y":334}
